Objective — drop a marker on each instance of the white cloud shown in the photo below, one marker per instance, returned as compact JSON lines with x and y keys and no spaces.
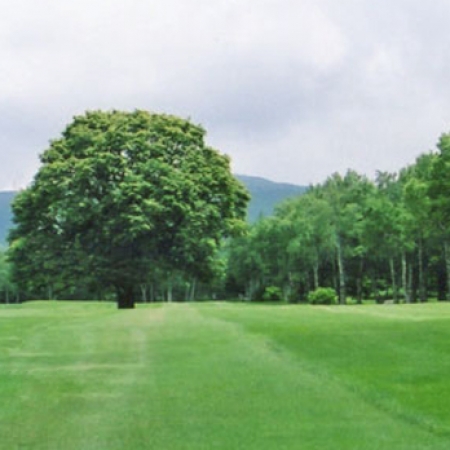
{"x":291,"y":90}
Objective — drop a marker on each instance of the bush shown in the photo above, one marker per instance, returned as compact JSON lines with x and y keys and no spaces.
{"x":323,"y":296}
{"x":272,"y":294}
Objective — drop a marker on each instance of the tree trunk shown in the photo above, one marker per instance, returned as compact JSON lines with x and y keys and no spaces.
{"x":359,"y":287}
{"x":170,"y":291}
{"x":251,"y":289}
{"x":316,"y":274}
{"x":341,"y":269}
{"x":192,"y":290}
{"x":411,"y":293}
{"x":405,"y":279}
{"x":422,"y":286}
{"x":152,"y":292}
{"x":287,"y":290}
{"x":144,"y":288}
{"x":393,"y":280}
{"x":447,"y":266}
{"x":125,"y":298}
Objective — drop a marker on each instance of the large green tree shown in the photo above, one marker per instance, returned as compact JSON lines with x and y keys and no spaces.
{"x":119,"y":194}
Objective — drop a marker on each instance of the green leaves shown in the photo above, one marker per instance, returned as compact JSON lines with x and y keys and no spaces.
{"x":129,"y":188}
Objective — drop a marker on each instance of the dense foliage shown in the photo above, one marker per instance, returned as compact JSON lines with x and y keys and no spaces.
{"x":121,"y":199}
{"x":381,"y":239}
{"x":131,"y":205}
{"x":8,"y":291}
{"x":322,"y":296}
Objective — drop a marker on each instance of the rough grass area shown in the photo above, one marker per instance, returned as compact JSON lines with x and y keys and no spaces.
{"x":224,"y":376}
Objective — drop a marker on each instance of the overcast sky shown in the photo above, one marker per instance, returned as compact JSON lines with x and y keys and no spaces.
{"x":292,"y":90}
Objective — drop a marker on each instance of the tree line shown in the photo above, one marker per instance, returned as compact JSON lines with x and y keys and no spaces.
{"x":136,"y":207}
{"x":381,"y":239}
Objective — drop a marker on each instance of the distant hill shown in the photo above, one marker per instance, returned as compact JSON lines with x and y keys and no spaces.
{"x":265,"y":195}
{"x":5,"y":214}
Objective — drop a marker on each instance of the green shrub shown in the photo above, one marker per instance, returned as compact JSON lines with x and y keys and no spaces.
{"x":272,"y":294}
{"x":323,"y":296}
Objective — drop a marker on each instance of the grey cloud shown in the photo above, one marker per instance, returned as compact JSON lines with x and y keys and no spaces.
{"x":291,"y":91}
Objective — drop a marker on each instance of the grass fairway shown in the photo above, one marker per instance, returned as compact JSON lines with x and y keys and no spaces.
{"x":224,"y":376}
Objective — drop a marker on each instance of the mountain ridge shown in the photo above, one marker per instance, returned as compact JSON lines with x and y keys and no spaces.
{"x":266,"y":194}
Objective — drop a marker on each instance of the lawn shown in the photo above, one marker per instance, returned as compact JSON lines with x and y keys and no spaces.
{"x":224,"y":376}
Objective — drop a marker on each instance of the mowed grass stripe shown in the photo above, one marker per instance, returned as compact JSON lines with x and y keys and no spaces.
{"x":86,"y":376}
{"x":396,"y":357}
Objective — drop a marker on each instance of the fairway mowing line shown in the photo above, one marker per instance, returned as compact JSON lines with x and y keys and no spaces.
{"x":193,"y":377}
{"x":369,"y":311}
{"x":143,"y":315}
{"x":93,"y":395}
{"x":392,"y":308}
{"x":15,"y":353}
{"x":83,"y":367}
{"x":377,"y":403}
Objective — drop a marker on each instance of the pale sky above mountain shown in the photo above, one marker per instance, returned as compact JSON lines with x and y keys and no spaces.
{"x":292,"y":90}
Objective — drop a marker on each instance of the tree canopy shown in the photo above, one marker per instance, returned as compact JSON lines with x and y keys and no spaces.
{"x":119,"y":195}
{"x":376,"y":239}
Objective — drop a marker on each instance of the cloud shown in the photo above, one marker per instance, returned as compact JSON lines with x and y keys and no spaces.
{"x":291,"y":90}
